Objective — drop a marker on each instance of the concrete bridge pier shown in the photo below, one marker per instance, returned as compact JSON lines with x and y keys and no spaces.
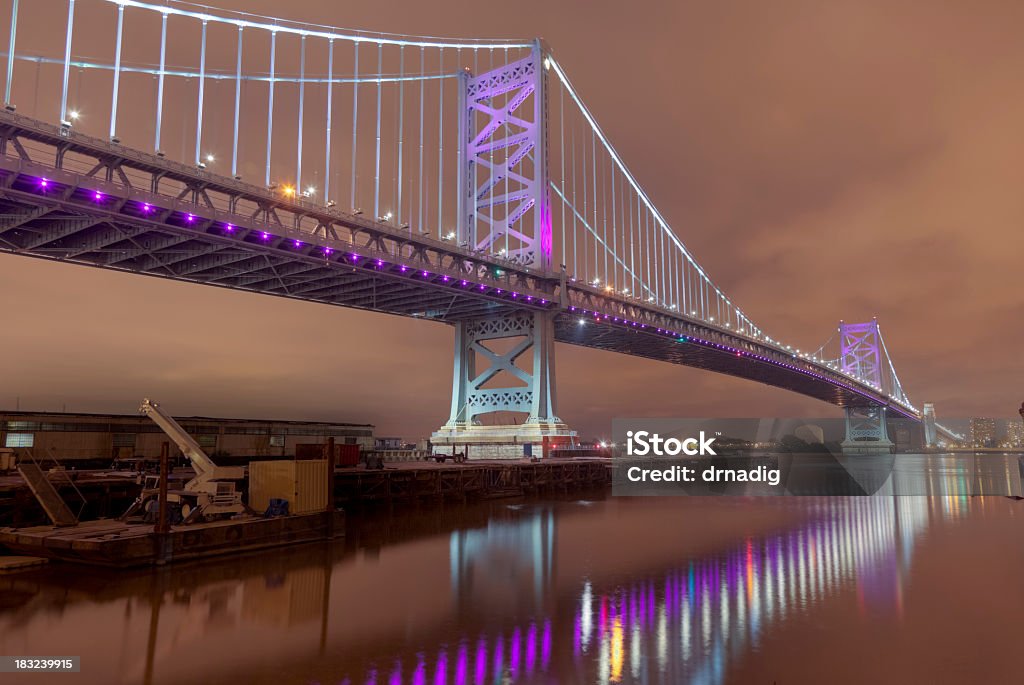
{"x":866,"y":431}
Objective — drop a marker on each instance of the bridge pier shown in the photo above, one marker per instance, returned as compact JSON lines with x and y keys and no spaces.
{"x":866,"y":431}
{"x":489,"y":378}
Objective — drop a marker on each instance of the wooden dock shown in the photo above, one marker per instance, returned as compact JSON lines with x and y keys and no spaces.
{"x":461,"y":482}
{"x":114,"y":543}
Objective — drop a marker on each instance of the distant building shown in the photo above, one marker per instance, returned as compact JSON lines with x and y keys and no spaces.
{"x":983,"y":432}
{"x":1014,"y":434}
{"x":810,"y":433}
{"x":117,"y":436}
{"x":388,"y":443}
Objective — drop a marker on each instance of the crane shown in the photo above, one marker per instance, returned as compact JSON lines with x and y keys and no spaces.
{"x":214,"y":489}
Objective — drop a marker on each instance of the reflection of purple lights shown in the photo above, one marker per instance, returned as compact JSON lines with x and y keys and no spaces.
{"x":499,"y":655}
{"x":481,"y":661}
{"x":371,"y":678}
{"x":514,"y":650}
{"x":461,"y":666}
{"x":441,"y":669}
{"x":396,"y":674}
{"x":531,"y":648}
{"x":419,"y":676}
{"x":545,"y":645}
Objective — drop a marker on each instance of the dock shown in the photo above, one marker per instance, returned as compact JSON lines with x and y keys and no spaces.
{"x":424,"y":481}
{"x":114,"y":543}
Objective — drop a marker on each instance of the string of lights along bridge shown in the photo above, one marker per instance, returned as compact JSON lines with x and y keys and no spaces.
{"x":461,"y":181}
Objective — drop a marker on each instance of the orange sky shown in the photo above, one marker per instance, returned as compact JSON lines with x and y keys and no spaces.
{"x":823,"y":161}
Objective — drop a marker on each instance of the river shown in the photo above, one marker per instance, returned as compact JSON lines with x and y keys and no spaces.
{"x":703,"y":590}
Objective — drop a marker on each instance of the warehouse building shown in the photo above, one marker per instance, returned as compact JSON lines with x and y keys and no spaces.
{"x":70,"y":437}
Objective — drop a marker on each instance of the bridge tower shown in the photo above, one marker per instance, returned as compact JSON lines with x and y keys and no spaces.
{"x":860,"y":351}
{"x":504,"y":209}
{"x":930,"y":432}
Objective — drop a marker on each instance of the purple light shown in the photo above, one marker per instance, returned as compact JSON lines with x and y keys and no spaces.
{"x":499,"y":291}
{"x":515,"y":295}
{"x":529,"y":298}
{"x":441,"y":669}
{"x":355,"y":257}
{"x":43,"y":183}
{"x":229,"y":228}
{"x":425,"y":274}
{"x":328,"y":251}
{"x":266,"y":236}
{"x":298,"y":243}
{"x":464,"y":283}
{"x":514,"y":653}
{"x":419,"y":676}
{"x":146,"y":208}
{"x":482,"y":288}
{"x":97,"y":196}
{"x":380,"y":263}
{"x":444,"y":278}
{"x":190,"y":218}
{"x":481,"y":660}
{"x":543,"y":301}
{"x":461,"y":666}
{"x":531,"y":648}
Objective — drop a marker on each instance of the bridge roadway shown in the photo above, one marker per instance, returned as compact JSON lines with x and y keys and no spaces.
{"x":66,"y":196}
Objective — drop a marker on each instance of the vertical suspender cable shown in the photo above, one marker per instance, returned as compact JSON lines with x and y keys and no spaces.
{"x":270,"y":100}
{"x":561,"y":127}
{"x":420,"y":180}
{"x":117,"y":71}
{"x":440,"y":140}
{"x":401,"y":130}
{"x":238,"y":103}
{"x":302,"y":101}
{"x":67,"y":61}
{"x":575,"y":259}
{"x":10,"y":53}
{"x":614,"y":232}
{"x":376,"y":173}
{"x":593,"y":161}
{"x":202,"y":92}
{"x":160,"y":82}
{"x":355,"y":120}
{"x":330,"y":108}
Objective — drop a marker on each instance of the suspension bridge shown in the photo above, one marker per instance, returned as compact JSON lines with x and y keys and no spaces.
{"x":459,"y":181}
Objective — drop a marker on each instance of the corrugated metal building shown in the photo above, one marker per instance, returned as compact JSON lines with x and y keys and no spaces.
{"x":114,"y":436}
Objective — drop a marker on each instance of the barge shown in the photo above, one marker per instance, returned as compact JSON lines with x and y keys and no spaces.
{"x":119,"y":544}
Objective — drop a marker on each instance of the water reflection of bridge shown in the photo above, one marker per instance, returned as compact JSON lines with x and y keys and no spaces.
{"x":686,"y":624}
